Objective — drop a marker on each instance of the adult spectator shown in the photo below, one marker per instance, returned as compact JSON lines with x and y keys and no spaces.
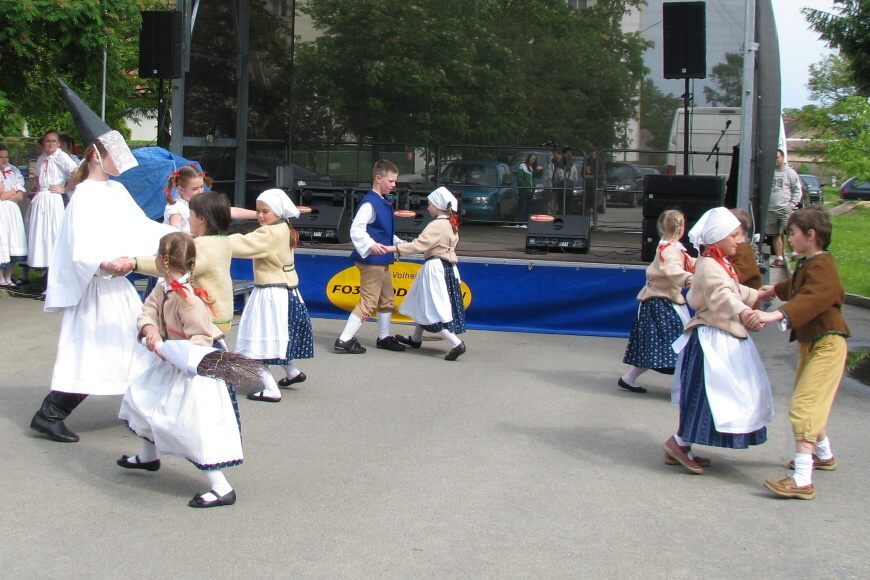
{"x":785,"y":195}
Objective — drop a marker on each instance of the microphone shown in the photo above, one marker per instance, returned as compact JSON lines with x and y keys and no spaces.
{"x":727,"y":123}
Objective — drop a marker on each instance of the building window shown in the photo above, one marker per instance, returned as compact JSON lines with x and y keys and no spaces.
{"x":577,"y":4}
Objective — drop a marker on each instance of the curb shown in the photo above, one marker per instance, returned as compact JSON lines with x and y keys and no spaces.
{"x":858,"y":300}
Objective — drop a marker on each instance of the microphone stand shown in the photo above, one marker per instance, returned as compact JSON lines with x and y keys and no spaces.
{"x":715,"y":149}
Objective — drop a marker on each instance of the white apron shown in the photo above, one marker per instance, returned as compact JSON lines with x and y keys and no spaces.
{"x":13,"y":240}
{"x":263,"y":330}
{"x":428,"y":300}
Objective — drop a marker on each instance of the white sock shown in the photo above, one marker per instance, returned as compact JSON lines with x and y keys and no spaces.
{"x":450,"y":337}
{"x":803,"y":469}
{"x":147,"y":453}
{"x":291,"y":371}
{"x":823,"y":448}
{"x":631,"y":376}
{"x":417,"y":336}
{"x":353,"y":324}
{"x":219,"y":484}
{"x":270,"y":387}
{"x":384,"y":319}
{"x":680,"y":441}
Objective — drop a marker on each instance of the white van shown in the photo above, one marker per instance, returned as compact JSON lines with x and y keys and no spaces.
{"x":705,"y":127}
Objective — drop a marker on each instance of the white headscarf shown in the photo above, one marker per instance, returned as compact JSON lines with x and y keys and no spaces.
{"x":280,"y":203}
{"x":443,"y":199}
{"x":714,"y":226}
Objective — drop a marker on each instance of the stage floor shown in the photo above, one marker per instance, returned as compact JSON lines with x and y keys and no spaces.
{"x":615,"y":239}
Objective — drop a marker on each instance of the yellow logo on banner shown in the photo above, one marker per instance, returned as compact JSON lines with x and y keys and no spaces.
{"x":342,"y":290}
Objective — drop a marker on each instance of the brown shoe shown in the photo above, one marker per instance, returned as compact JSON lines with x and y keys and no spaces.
{"x":820,"y":464}
{"x":677,"y":452}
{"x":702,"y":461}
{"x":786,"y":487}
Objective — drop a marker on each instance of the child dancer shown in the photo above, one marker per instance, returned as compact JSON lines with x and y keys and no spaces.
{"x":53,"y":170}
{"x":275,"y":327}
{"x":722,"y":387}
{"x":434,"y":301}
{"x":174,"y":413}
{"x":183,"y":184}
{"x":814,"y":298}
{"x":13,"y":240}
{"x":662,"y":313}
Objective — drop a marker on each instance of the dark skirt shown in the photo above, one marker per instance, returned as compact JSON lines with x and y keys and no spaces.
{"x":457,"y":325}
{"x":14,"y":260}
{"x":696,"y":419}
{"x":656,"y":326}
{"x":301,"y":343}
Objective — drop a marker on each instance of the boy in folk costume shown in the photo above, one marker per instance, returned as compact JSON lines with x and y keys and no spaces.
{"x":434,"y":301}
{"x":372,"y":231}
{"x":97,"y":351}
{"x":813,"y":298}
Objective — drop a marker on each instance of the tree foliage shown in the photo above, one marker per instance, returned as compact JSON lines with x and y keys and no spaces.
{"x":486,"y":71}
{"x":848,"y":30}
{"x":46,"y":39}
{"x":656,"y":115}
{"x":728,"y":76}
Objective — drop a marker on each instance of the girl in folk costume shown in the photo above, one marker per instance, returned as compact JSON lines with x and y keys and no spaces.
{"x":275,"y":327}
{"x":434,"y":301}
{"x":13,"y":240}
{"x":53,"y":170}
{"x":97,"y":352}
{"x":176,"y":411}
{"x":184,"y":183}
{"x":722,"y":387}
{"x":662,"y":312}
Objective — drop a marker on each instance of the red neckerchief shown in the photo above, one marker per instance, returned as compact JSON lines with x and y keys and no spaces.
{"x":721,"y":259}
{"x":177,"y":286}
{"x":687,"y":262}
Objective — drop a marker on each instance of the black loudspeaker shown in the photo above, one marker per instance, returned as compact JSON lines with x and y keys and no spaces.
{"x":650,"y":239}
{"x":326,"y":224}
{"x":160,"y":45}
{"x":410,"y":227}
{"x":566,"y":233}
{"x":684,"y":39}
{"x":692,"y":194}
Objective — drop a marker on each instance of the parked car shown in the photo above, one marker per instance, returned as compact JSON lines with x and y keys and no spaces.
{"x":812,"y":189}
{"x":854,"y":188}
{"x":487,"y":190}
{"x":623,"y":182}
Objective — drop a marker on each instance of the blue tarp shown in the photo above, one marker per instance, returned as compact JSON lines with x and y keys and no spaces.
{"x":582,"y":299}
{"x":147,"y":181}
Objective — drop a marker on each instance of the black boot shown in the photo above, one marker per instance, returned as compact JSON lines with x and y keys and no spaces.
{"x":55,"y":408}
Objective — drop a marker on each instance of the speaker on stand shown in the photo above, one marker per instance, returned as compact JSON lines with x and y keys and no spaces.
{"x":410,"y":224}
{"x":160,"y":55}
{"x":324,"y":224}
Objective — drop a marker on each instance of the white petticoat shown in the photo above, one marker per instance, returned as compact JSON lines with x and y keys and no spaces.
{"x":428,"y":300}
{"x":44,"y":219}
{"x":187,"y":417}
{"x":263,"y":332}
{"x":13,"y":240}
{"x":734,"y":379}
{"x":97,"y":351}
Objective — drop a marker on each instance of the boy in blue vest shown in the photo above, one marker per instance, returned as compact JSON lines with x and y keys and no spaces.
{"x":372,"y":230}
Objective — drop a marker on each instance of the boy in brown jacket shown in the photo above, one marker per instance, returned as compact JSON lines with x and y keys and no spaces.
{"x":814,"y":297}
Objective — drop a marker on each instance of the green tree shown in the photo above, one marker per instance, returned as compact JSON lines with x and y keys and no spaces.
{"x":656,"y":115}
{"x":46,"y":39}
{"x":849,"y":30}
{"x":728,"y":76}
{"x":489,"y":71}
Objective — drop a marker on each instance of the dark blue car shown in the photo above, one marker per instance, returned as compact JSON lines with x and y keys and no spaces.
{"x":487,"y":189}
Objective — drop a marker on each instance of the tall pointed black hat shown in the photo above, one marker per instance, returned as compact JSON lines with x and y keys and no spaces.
{"x":91,"y":128}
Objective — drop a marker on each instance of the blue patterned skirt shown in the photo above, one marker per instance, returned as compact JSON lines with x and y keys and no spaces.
{"x":656,"y":326}
{"x":301,"y":343}
{"x":14,"y":260}
{"x":457,"y":325}
{"x":696,"y":418}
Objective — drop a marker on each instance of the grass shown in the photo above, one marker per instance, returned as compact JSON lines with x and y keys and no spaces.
{"x":849,"y":246}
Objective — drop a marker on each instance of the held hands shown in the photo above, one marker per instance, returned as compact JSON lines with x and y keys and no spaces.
{"x":751,"y":319}
{"x":378,"y":249}
{"x":119,"y":266}
{"x":151,"y":338}
{"x":390,"y":249}
{"x":766,"y":292}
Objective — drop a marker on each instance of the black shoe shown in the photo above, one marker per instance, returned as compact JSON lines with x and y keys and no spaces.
{"x":409,"y":341}
{"x":455,"y":352}
{"x":199,"y":502}
{"x":55,"y":429}
{"x":390,"y":343}
{"x":285,"y":382}
{"x":146,"y":465}
{"x":631,"y":388}
{"x":263,"y":398}
{"x":349,"y":346}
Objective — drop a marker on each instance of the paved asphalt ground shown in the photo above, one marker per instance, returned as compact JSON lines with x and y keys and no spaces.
{"x":522,"y":459}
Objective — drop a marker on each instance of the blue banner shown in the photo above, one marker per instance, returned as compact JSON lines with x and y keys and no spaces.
{"x":533,"y":296}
